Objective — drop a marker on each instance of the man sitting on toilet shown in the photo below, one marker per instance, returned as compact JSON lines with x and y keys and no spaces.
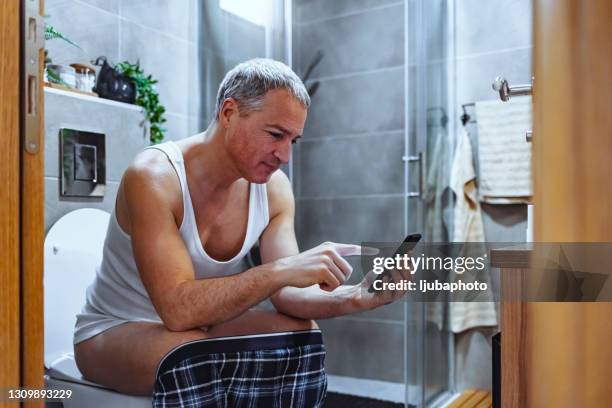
{"x":186,"y":214}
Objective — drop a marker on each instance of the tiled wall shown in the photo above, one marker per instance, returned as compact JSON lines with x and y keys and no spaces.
{"x":158,"y":33}
{"x":124,"y":138}
{"x":224,"y":40}
{"x":493,"y":38}
{"x":348,"y":167}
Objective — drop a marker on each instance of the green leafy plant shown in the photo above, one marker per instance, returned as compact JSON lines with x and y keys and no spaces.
{"x":147,"y":97}
{"x":50,"y":34}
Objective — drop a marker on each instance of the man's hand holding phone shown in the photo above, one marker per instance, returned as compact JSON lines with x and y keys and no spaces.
{"x":369,"y":293}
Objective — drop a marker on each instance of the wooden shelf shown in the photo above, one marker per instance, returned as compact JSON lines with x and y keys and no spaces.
{"x":90,"y":97}
{"x":67,"y":89}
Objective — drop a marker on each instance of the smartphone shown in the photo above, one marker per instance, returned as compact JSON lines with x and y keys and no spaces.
{"x":409,"y":243}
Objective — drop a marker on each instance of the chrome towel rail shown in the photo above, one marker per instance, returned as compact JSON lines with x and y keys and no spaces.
{"x":505,"y":91}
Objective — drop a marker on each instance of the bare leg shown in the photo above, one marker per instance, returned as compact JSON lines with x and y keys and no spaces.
{"x":125,"y":358}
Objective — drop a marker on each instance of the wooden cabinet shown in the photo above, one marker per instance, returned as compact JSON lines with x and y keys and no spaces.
{"x":514,"y":265}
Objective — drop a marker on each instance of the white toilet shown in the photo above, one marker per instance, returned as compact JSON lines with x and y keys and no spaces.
{"x":73,"y":249}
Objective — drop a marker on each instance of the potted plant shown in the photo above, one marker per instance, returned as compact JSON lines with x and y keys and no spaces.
{"x":147,"y":97}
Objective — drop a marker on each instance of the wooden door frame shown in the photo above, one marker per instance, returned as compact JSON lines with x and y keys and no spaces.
{"x":10,"y":314}
{"x":21,"y":213}
{"x":568,"y":344}
{"x":32,"y":240}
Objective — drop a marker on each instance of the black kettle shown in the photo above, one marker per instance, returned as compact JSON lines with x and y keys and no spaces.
{"x":111,"y":84}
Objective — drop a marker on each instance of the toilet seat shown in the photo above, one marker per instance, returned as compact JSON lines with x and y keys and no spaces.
{"x":73,"y":250}
{"x":65,"y":369}
{"x":95,"y":397}
{"x":64,"y":375}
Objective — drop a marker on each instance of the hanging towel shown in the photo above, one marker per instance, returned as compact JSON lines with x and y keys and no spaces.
{"x":504,"y":154}
{"x":438,"y":203}
{"x":468,"y":227}
{"x":436,"y":194}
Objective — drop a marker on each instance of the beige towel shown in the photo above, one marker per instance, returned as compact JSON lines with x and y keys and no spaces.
{"x":468,"y":227}
{"x":504,"y":154}
{"x":437,"y":204}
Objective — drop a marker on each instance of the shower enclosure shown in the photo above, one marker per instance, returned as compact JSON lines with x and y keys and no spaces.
{"x":370,"y":164}
{"x":372,"y":167}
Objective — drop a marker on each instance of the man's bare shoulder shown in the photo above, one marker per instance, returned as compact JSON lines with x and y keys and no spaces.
{"x":150,"y":178}
{"x":280,"y":194}
{"x":151,"y":168}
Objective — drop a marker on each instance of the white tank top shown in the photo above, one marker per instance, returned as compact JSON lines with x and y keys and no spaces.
{"x":118,"y":295}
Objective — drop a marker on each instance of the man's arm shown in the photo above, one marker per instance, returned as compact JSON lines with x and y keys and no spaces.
{"x":278,"y":241}
{"x":165,"y":266}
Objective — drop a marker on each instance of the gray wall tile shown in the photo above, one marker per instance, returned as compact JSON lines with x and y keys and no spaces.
{"x":195,"y":126}
{"x":435,"y":15}
{"x":369,"y":165}
{"x":194,"y":84}
{"x":472,"y":358}
{"x":212,"y":71}
{"x":437,"y":367}
{"x":93,"y":29}
{"x":171,"y":17}
{"x":193,"y":20}
{"x":212,"y":28}
{"x":108,"y":5}
{"x":391,"y":312}
{"x":177,"y":127}
{"x":54,"y":3}
{"x":378,"y":355}
{"x":505,"y":223}
{"x":307,"y":10}
{"x":56,"y":207}
{"x":295,"y":165}
{"x":361,"y":103}
{"x":358,"y":50}
{"x":437,"y":85}
{"x":124,"y":135}
{"x":245,"y":39}
{"x":476,"y":74}
{"x":163,"y":57}
{"x":484,"y":26}
{"x":349,"y":220}
{"x":124,"y":145}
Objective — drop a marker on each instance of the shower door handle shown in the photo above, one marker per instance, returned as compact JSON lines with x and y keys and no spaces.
{"x":412,"y":159}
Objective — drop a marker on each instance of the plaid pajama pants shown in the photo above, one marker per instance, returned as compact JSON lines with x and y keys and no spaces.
{"x":281,"y":370}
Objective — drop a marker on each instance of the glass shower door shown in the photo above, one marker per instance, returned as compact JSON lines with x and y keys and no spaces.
{"x":429,"y":201}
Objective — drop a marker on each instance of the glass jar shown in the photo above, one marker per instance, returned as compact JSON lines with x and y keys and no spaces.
{"x":85,"y":77}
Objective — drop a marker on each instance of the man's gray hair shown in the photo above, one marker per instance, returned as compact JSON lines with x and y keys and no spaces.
{"x":248,"y":83}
